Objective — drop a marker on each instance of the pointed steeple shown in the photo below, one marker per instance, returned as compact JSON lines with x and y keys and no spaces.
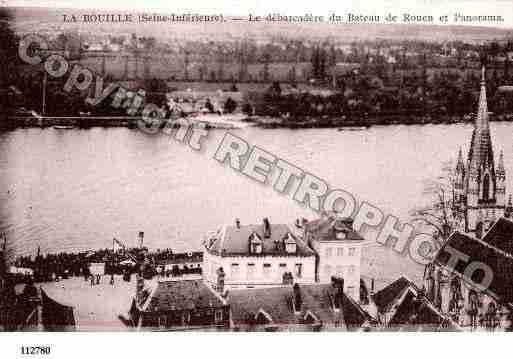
{"x":481,"y":151}
{"x":501,"y":171}
{"x":460,"y":165}
{"x":509,"y":208}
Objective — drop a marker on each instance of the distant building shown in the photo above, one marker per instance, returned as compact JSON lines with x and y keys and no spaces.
{"x":338,"y":251}
{"x":313,"y":307}
{"x":96,"y":47}
{"x":180,"y":305}
{"x":252,"y":256}
{"x":182,"y":263}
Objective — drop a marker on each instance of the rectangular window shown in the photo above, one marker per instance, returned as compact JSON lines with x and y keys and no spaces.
{"x":162,"y":321}
{"x":329,"y":252}
{"x":267,"y":270}
{"x":351,"y":270}
{"x":299,"y":270}
{"x":219,"y":315}
{"x":235,"y":271}
{"x":352,"y":252}
{"x":340,"y":252}
{"x":282,"y":268}
{"x":350,"y":291}
{"x":251,"y":271}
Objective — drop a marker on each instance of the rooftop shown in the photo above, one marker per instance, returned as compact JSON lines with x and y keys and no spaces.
{"x":234,"y":240}
{"x":386,"y":297}
{"x":277,"y":305}
{"x":500,"y":235}
{"x":417,"y":313}
{"x":329,"y":228}
{"x":181,"y":295}
{"x":500,"y":262}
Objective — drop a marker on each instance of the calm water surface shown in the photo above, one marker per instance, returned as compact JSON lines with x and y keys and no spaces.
{"x":67,"y":190}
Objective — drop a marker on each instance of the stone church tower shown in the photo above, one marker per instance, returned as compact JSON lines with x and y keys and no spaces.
{"x":479,"y":185}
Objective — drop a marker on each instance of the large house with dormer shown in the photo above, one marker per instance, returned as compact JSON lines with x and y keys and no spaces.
{"x":253,"y":256}
{"x":256,"y":256}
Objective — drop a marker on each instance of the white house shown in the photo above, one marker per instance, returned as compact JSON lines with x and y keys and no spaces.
{"x":254,"y":256}
{"x":338,"y":249}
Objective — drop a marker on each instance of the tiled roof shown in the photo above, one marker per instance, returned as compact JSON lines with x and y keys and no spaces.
{"x":235,"y":241}
{"x":418,"y":314}
{"x":500,"y":235}
{"x":181,"y":294}
{"x":478,"y":250}
{"x":387,"y":296}
{"x":326,"y":229}
{"x":277,"y":303}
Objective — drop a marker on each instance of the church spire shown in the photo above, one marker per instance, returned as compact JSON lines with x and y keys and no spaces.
{"x":481,"y":151}
{"x":460,"y":165}
{"x":500,"y":166}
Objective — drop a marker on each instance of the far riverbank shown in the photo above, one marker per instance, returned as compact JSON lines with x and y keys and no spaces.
{"x":13,"y":122}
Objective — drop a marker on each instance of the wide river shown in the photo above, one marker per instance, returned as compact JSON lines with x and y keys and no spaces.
{"x":69,"y":190}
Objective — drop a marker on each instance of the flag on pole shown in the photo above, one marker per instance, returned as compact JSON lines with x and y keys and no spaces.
{"x":117,"y":245}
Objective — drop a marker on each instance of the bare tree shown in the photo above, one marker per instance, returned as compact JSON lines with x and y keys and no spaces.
{"x":440,"y":215}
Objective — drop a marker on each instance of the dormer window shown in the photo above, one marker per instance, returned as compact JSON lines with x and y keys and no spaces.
{"x":255,"y":243}
{"x":310,"y":318}
{"x":290,"y":243}
{"x":263,"y":318}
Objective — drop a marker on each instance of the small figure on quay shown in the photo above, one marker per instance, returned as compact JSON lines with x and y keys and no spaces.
{"x":112,"y":279}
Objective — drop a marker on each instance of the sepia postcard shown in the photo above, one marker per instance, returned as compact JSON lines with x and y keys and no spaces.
{"x":254,"y":167}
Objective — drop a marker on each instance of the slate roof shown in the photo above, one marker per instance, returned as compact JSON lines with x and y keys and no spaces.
{"x":235,"y":241}
{"x":500,"y":235}
{"x":277,"y":303}
{"x":386,"y":297}
{"x":500,"y":262}
{"x":419,"y":314}
{"x":180,"y":295}
{"x":326,"y":229}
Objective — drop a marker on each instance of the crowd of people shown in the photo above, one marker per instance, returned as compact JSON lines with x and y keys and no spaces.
{"x":51,"y":267}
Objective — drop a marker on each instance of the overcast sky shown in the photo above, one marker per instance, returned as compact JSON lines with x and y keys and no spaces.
{"x":294,"y":7}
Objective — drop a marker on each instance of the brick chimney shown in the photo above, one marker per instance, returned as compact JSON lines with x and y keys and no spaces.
{"x":297,"y":300}
{"x":338,"y":286}
{"x":220,"y":280}
{"x":267,"y":228}
{"x":141,"y":239}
